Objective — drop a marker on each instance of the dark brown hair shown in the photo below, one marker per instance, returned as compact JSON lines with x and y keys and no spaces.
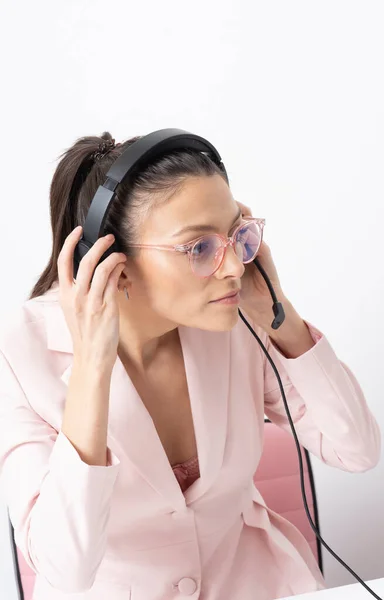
{"x":78,"y":176}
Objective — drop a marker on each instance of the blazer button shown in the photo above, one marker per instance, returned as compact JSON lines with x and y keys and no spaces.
{"x":187,"y":586}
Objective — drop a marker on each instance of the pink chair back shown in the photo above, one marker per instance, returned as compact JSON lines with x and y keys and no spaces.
{"x":27,"y":577}
{"x":278,"y":480}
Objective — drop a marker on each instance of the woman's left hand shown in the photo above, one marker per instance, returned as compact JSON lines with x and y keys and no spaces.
{"x":255,"y":298}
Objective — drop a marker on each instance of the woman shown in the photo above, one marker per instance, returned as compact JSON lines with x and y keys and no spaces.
{"x":133,"y":398}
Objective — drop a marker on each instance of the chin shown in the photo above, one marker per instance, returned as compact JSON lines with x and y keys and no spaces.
{"x":219,"y":322}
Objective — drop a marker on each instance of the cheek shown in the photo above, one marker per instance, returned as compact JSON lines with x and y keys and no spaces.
{"x":170,"y":277}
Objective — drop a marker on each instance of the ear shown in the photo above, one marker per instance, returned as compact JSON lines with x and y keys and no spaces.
{"x":124,"y":279}
{"x":129,"y":274}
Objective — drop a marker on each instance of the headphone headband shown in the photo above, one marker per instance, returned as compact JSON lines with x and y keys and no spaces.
{"x":151,"y":146}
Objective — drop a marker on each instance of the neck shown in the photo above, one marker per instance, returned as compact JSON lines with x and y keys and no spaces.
{"x":143,"y":336}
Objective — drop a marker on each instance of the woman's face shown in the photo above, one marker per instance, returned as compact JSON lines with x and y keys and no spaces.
{"x":163,"y":282}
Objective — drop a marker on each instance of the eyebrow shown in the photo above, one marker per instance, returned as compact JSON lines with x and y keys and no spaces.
{"x":203,"y":228}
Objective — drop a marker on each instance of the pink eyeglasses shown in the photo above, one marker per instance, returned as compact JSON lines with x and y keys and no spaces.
{"x":206,"y":253}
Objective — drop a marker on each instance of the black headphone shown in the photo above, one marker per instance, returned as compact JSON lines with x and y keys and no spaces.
{"x":135,"y":158}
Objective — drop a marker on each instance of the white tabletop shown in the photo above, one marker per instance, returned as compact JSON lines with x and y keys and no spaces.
{"x":355,"y":591}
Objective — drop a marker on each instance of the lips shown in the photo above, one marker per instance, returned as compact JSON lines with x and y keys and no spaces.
{"x":229,"y":295}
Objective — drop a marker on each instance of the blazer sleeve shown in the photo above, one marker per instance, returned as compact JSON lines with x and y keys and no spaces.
{"x":58,"y":505}
{"x":327,"y":405}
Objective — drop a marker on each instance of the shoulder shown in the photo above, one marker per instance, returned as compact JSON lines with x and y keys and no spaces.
{"x":23,"y":329}
{"x":30,"y":366}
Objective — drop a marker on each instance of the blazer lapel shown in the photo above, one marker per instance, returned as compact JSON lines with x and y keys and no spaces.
{"x":131,"y":426}
{"x":207,"y":365}
{"x":131,"y":429}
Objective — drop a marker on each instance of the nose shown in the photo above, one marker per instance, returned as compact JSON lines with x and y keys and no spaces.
{"x":231,"y":266}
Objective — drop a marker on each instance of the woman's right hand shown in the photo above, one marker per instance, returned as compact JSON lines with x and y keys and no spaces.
{"x":91,"y":308}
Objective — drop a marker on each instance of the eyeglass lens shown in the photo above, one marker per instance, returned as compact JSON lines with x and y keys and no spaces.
{"x":207,"y":253}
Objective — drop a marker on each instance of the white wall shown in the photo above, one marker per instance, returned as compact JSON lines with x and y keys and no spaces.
{"x":292,"y":95}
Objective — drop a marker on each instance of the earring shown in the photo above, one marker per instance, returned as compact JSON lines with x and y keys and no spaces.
{"x":126,"y":293}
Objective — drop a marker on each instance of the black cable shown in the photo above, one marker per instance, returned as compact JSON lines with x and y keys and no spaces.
{"x":301,"y":464}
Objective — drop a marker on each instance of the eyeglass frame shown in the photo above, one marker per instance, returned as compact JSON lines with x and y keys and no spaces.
{"x":226,"y":241}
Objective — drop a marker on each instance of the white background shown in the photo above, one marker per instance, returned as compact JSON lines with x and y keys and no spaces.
{"x":292,"y":95}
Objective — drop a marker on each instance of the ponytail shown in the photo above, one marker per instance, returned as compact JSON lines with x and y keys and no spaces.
{"x":65,"y":212}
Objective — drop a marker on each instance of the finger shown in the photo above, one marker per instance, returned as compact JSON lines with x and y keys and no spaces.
{"x":65,"y":259}
{"x":245,"y":210}
{"x":102,"y":274}
{"x":112,"y":287}
{"x":264,"y":246}
{"x":89,"y":263}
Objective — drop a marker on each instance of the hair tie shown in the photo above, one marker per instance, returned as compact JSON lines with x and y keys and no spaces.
{"x":104,"y":147}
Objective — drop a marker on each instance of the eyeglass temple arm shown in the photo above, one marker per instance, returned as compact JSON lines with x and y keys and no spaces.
{"x":158,"y":247}
{"x":277,"y":307}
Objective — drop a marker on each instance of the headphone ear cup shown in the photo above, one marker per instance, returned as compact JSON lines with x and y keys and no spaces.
{"x":110,"y":250}
{"x":82,"y":247}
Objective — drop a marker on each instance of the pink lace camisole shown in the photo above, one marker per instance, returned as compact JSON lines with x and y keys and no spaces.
{"x":187,"y":472}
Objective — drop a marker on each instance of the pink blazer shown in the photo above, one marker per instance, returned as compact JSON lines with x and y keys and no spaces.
{"x":127,"y":531}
